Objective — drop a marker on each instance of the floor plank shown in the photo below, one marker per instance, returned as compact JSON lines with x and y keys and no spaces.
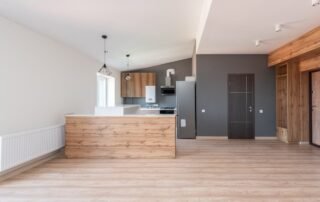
{"x":204,"y":170}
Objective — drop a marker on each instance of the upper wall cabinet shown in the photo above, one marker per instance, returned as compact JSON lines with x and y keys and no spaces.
{"x":135,"y":86}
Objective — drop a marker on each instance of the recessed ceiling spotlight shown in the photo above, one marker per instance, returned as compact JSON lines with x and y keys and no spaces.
{"x":315,"y":2}
{"x":278,"y":28}
{"x":257,"y":43}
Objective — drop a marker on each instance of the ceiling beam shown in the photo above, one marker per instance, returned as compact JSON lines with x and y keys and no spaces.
{"x":305,"y":44}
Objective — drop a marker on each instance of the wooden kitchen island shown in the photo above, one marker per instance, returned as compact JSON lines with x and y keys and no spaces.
{"x":126,"y":136}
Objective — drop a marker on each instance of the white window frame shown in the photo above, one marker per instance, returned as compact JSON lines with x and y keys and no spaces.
{"x":105,"y":90}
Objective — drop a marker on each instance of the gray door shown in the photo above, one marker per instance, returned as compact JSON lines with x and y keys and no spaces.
{"x":186,"y":110}
{"x":241,"y":106}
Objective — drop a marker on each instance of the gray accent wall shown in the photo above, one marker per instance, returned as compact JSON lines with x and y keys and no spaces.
{"x":182,"y":68}
{"x":212,"y":72}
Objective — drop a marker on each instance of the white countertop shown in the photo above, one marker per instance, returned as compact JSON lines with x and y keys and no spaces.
{"x":125,"y":115}
{"x":121,"y":106}
{"x":150,"y":108}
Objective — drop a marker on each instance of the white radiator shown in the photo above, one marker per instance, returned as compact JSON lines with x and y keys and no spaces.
{"x":21,"y":147}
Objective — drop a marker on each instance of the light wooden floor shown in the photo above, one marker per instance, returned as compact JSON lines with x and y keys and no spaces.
{"x":205,"y":170}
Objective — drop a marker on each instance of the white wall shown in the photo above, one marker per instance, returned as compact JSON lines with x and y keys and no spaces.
{"x":42,"y":79}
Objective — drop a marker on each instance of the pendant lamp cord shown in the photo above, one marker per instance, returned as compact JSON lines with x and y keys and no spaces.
{"x":105,"y":52}
{"x":128,"y":64}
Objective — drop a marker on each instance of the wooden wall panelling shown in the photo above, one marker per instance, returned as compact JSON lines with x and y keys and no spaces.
{"x":293,"y":102}
{"x":310,"y":64}
{"x":281,"y":102}
{"x":304,"y":106}
{"x":303,"y":45}
{"x":282,"y":134}
{"x":302,"y":55}
{"x":288,"y":102}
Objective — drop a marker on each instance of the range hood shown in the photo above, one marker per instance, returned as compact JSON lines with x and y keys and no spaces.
{"x":168,"y":88}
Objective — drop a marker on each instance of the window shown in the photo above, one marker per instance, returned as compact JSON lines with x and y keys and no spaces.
{"x":105,"y":91}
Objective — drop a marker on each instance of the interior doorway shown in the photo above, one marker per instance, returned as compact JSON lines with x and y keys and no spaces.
{"x":241,"y":106}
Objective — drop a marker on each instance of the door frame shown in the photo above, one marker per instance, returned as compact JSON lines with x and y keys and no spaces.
{"x":310,"y":108}
{"x":253,"y":103}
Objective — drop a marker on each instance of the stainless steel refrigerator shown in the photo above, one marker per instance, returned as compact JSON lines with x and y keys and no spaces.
{"x":186,"y":109}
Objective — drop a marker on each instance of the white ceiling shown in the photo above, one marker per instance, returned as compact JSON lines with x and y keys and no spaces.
{"x":152,"y":31}
{"x":161,"y":31}
{"x":233,"y":26}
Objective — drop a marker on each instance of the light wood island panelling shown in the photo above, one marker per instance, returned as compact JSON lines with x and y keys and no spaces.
{"x":120,"y":136}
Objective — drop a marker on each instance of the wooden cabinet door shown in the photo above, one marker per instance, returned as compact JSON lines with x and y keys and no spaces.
{"x":124,"y":89}
{"x":135,"y":87}
{"x":151,"y":79}
{"x":136,"y":83}
{"x":147,"y":79}
{"x":127,"y":86}
{"x":144,"y":83}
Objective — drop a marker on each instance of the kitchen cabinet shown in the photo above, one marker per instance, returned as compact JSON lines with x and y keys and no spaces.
{"x":135,"y":87}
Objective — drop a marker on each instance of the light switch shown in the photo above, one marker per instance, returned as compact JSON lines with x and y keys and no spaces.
{"x":261,"y":111}
{"x":203,"y":110}
{"x":183,"y":123}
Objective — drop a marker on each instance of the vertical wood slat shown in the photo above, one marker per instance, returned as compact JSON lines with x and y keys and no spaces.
{"x":282,"y":102}
{"x":293,"y":102}
{"x":304,"y":110}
